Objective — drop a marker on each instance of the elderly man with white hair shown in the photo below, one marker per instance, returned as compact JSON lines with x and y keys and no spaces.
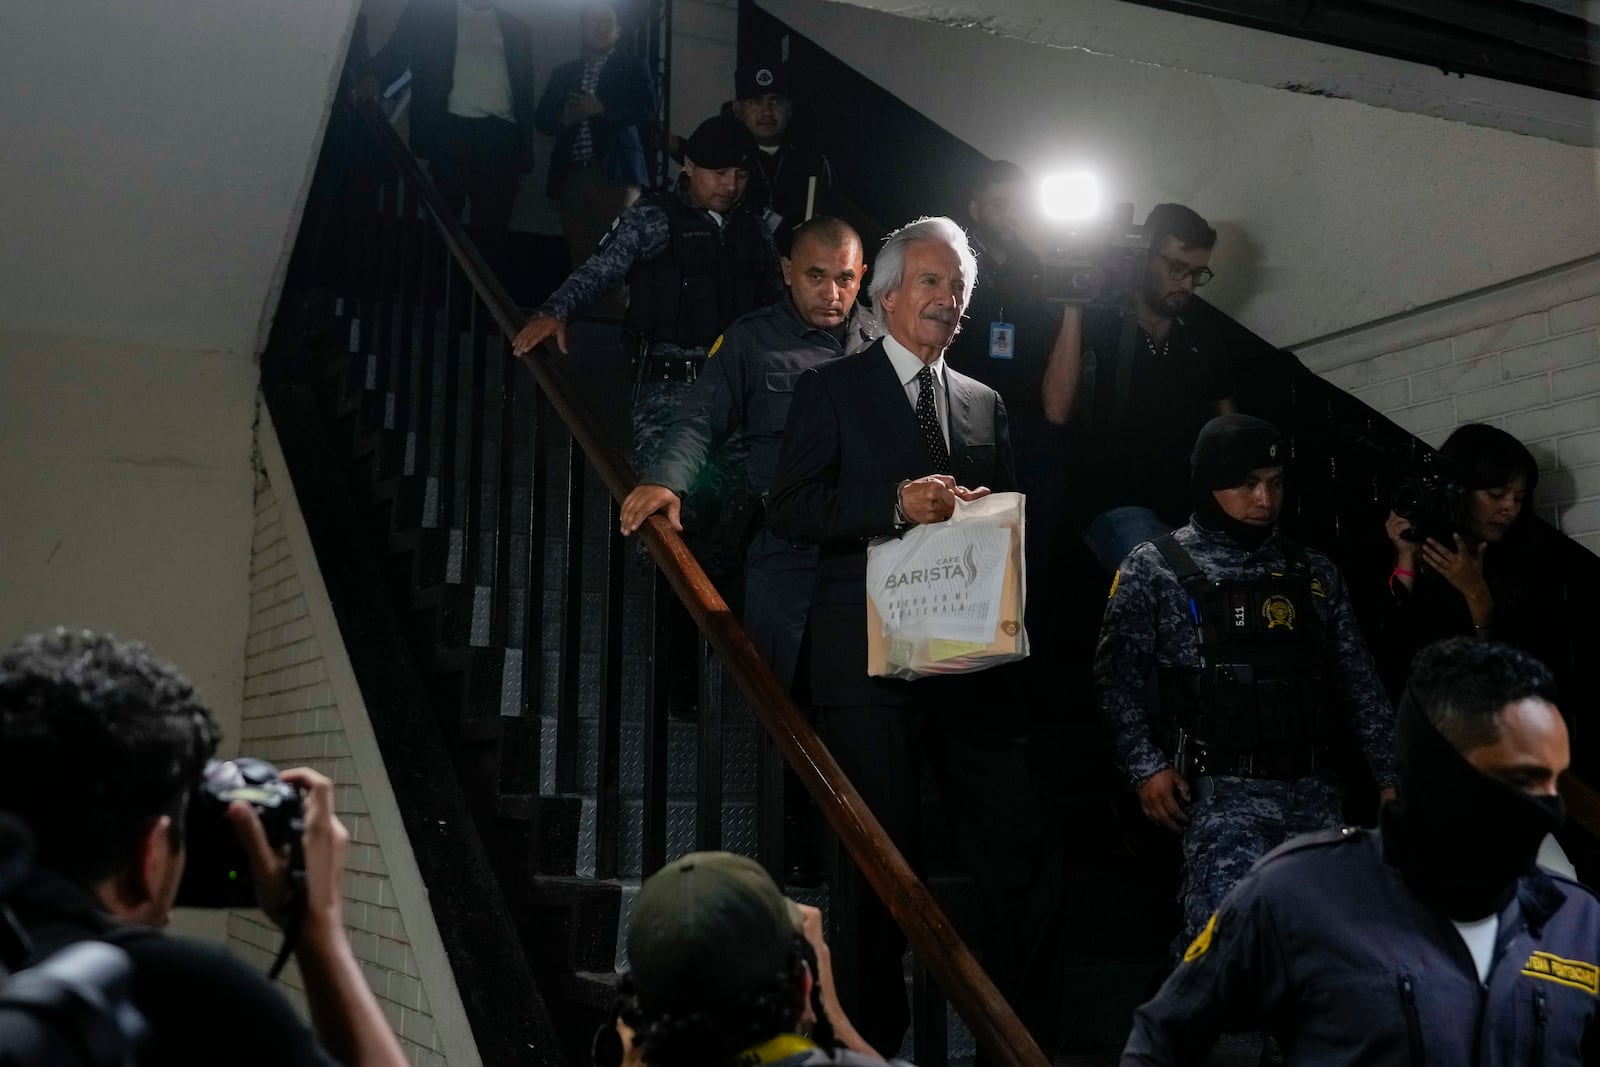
{"x":886,"y":439}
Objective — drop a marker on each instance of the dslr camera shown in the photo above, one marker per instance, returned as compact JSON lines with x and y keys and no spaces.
{"x":217,"y":874}
{"x":1101,"y":259}
{"x":1434,"y":499}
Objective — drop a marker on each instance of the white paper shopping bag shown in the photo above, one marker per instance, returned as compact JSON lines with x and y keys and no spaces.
{"x":948,"y":597}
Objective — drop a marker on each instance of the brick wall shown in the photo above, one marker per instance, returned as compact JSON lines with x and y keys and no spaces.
{"x":1524,"y":357}
{"x":301,"y":708}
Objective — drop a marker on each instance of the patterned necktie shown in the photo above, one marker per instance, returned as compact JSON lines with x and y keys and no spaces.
{"x":583,"y":143}
{"x":928,"y":419}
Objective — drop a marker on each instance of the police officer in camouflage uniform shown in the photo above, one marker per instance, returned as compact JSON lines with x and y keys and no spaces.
{"x":1229,"y":664}
{"x":748,"y":382}
{"x":694,"y":260}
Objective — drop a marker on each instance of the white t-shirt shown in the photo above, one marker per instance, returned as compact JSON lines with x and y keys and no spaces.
{"x":482,"y":86}
{"x":1479,"y":936}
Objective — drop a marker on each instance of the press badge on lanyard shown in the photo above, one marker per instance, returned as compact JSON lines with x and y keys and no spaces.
{"x":1002,"y":340}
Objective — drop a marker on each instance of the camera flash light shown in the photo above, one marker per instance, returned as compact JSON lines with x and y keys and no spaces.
{"x":1070,"y":197}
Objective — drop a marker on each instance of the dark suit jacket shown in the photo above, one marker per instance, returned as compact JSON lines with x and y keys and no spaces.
{"x":851,"y":439}
{"x":630,"y":101}
{"x":424,"y":42}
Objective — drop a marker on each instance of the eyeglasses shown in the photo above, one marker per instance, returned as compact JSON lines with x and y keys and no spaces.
{"x":1177,"y":270}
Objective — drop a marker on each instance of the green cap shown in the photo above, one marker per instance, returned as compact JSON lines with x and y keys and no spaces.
{"x":705,"y":927}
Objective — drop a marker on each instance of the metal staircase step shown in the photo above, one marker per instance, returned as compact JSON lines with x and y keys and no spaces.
{"x":538,"y":832}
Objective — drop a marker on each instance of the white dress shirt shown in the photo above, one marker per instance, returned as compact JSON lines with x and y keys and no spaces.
{"x":907,"y":366}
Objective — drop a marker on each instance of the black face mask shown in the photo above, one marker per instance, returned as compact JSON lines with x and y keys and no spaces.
{"x":1209,"y":513}
{"x":1460,"y":839}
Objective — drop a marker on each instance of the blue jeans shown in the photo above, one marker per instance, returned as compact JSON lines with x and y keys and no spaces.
{"x":1115,"y":532}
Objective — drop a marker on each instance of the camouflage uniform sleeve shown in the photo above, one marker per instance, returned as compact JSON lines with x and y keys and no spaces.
{"x":1355,"y":677}
{"x":640,"y":233}
{"x":1231,"y":980}
{"x":1123,"y":665}
{"x":705,"y":416}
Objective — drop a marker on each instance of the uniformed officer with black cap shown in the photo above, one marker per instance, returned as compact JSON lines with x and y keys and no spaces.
{"x":790,"y":181}
{"x":694,"y":259}
{"x":1230,"y":664}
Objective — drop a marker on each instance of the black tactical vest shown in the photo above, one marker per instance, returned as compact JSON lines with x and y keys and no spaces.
{"x":704,"y":280}
{"x":1260,"y":688}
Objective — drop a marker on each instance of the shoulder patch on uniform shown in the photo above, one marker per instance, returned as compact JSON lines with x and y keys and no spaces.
{"x":1202,"y":942}
{"x":1317,"y":588}
{"x":1575,"y":973}
{"x":1116,"y":580}
{"x":715,"y":345}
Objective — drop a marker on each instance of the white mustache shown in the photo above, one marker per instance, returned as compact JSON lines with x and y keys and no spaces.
{"x":944,"y":315}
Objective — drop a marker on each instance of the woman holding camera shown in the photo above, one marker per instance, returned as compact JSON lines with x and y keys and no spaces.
{"x":1480,"y":580}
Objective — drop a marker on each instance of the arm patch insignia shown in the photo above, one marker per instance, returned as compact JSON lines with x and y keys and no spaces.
{"x":1202,"y":942}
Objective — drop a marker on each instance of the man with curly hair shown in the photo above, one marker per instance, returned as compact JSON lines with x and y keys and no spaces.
{"x":101,"y":747}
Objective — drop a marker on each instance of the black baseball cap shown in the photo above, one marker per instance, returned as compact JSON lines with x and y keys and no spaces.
{"x":760,"y":79}
{"x":718,"y":142}
{"x":706,"y":927}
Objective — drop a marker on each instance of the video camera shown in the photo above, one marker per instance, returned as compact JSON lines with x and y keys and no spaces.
{"x":1433,"y":497}
{"x":1100,"y":259}
{"x":217,"y":873}
{"x":1432,"y":492}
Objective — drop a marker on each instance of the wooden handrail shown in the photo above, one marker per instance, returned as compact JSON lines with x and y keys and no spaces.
{"x":964,"y":982}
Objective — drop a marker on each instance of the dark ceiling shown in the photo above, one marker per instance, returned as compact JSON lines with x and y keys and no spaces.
{"x":1550,"y":44}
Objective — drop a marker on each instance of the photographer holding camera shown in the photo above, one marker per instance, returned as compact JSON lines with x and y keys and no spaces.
{"x":1462,"y":562}
{"x":1160,"y":372}
{"x":102,"y":750}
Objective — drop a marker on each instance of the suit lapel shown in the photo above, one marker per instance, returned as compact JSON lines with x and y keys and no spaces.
{"x":958,"y":402}
{"x":889,"y":398}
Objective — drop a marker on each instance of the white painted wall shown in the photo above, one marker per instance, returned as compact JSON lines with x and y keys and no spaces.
{"x":1333,"y":213}
{"x":125,"y":502}
{"x":156,"y":157}
{"x":1524,"y":357}
{"x":1207,"y":46}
